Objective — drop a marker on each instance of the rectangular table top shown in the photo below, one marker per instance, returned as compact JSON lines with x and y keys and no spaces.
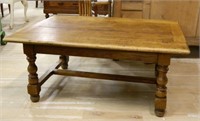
{"x":105,"y":33}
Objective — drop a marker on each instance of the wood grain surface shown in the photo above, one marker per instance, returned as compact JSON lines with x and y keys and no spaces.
{"x":105,"y":33}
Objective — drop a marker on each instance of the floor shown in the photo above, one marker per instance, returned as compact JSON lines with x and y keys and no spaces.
{"x":83,"y":99}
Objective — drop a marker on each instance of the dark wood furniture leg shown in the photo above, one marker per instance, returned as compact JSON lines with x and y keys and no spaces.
{"x":36,"y":3}
{"x":33,"y":86}
{"x":2,"y":13}
{"x":161,"y":92}
{"x":64,"y":61}
{"x":46,"y":15}
{"x":9,"y":7}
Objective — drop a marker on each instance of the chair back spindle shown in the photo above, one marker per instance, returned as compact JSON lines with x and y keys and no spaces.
{"x":85,"y":8}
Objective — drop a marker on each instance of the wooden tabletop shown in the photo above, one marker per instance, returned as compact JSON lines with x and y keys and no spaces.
{"x":105,"y":33}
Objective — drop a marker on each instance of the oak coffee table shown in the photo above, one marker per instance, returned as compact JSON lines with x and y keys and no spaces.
{"x":149,"y":41}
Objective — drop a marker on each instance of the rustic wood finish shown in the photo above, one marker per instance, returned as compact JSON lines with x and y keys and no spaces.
{"x":115,"y":38}
{"x":106,"y":33}
{"x":33,"y":86}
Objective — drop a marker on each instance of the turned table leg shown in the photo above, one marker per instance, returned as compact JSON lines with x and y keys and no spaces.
{"x":33,"y":86}
{"x":161,"y":82}
{"x":65,"y":60}
{"x":161,"y":93}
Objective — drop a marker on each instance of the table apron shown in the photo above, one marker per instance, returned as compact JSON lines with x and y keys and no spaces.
{"x":90,"y":52}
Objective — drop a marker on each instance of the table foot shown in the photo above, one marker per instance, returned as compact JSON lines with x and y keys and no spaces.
{"x":160,"y":113}
{"x":35,"y":98}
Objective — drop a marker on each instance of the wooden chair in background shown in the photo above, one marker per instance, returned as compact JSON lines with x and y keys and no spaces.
{"x":98,"y":7}
{"x":85,"y":8}
{"x":101,"y":8}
